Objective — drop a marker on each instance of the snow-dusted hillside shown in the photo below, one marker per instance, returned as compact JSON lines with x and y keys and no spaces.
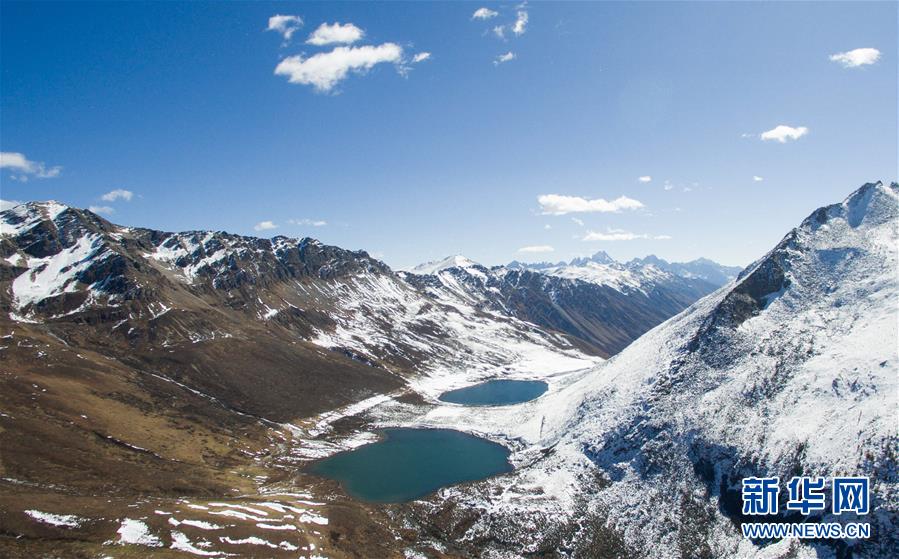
{"x":793,"y":368}
{"x":596,"y":301}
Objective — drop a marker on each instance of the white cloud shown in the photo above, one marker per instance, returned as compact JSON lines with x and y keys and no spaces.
{"x":781,"y":133}
{"x":265,"y":226}
{"x":7,"y":204}
{"x":335,"y":33}
{"x":421,"y":57}
{"x":504,"y":58}
{"x":15,"y":161}
{"x":536,"y":249}
{"x":324,"y":70}
{"x":500,"y":31}
{"x":101,"y":209}
{"x":857,"y":57}
{"x":579,"y":222}
{"x":521,"y":23}
{"x":117,"y":194}
{"x":308,"y":222}
{"x":557,"y":204}
{"x":645,"y":178}
{"x":484,"y":13}
{"x":547,"y":226}
{"x":285,"y":25}
{"x":668,"y":185}
{"x":757,"y":178}
{"x":621,"y":235}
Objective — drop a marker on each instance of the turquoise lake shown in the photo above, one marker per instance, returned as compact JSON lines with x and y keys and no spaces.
{"x":496,"y":393}
{"x":410,"y":463}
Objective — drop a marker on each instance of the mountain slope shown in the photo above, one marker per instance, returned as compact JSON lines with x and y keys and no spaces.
{"x":600,"y":304}
{"x":792,"y":369}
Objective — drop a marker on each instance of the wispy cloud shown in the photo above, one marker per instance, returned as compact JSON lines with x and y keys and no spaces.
{"x":783,"y":133}
{"x":335,"y":33}
{"x":856,"y":57}
{"x":484,"y":13}
{"x":645,"y":178}
{"x":536,"y":249}
{"x":325,"y":70}
{"x":285,"y":25}
{"x":517,"y":27}
{"x":421,"y":57}
{"x":547,"y":226}
{"x":521,"y":23}
{"x":578,"y":222}
{"x":117,"y":194}
{"x":308,"y":222}
{"x":101,"y":209}
{"x":504,"y":58}
{"x":621,"y":235}
{"x":557,"y":204}
{"x":18,"y":163}
{"x":265,"y":226}
{"x":757,"y":178}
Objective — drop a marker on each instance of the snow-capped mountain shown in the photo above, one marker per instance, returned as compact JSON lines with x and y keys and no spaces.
{"x":701,"y":268}
{"x":455,"y":261}
{"x":605,"y":270}
{"x":596,"y":301}
{"x":790,"y":370}
{"x":173,"y":289}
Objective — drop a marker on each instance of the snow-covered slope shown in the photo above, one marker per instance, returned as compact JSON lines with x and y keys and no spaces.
{"x":793,"y":368}
{"x":455,"y":261}
{"x":598,"y":302}
{"x":617,"y":276}
{"x":701,"y":268}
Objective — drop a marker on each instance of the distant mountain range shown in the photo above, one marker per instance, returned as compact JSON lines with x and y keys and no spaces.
{"x":165,"y":289}
{"x":602,"y":265}
{"x":599,"y":303}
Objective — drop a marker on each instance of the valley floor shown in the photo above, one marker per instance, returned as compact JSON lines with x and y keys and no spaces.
{"x":238,"y":490}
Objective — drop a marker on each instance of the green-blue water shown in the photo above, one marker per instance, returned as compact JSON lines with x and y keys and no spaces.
{"x":496,"y":393}
{"x":410,"y":463}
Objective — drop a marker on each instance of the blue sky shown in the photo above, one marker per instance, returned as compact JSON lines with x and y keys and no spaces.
{"x":180,"y":105}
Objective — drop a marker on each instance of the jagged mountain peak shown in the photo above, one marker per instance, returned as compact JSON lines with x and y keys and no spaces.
{"x":870,"y":204}
{"x":601,"y":257}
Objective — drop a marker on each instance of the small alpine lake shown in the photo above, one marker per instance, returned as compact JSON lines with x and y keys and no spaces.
{"x":410,"y":463}
{"x":496,"y":393}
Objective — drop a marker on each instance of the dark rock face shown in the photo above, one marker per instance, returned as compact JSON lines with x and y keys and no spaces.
{"x":606,"y":319}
